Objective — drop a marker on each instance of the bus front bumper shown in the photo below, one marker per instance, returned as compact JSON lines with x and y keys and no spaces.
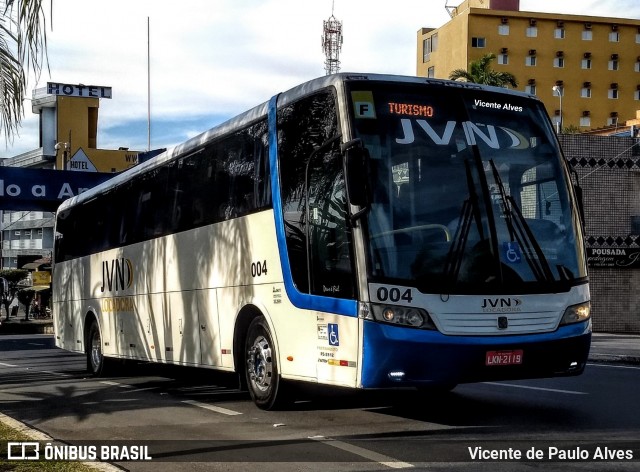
{"x":403,"y":357}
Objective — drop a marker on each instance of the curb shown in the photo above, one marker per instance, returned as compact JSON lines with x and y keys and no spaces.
{"x":614,"y":359}
{"x":27,"y":327}
{"x":43,"y":437}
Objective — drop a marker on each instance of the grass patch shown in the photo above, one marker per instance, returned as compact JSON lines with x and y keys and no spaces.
{"x":9,"y":434}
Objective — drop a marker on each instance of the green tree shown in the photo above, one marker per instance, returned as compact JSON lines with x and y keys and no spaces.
{"x":571,"y":129}
{"x":13,"y":278}
{"x":23,"y":46}
{"x":480,"y":72}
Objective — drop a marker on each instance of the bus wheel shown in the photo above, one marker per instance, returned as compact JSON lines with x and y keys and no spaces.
{"x":95,"y":358}
{"x":263,"y":379}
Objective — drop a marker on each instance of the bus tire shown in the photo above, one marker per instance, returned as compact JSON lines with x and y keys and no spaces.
{"x":96,"y":362}
{"x":261,"y":367}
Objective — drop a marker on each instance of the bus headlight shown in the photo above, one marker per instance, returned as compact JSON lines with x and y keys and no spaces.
{"x":576,"y":313}
{"x":402,"y":315}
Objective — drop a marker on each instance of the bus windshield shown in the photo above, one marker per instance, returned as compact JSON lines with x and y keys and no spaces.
{"x":469,"y":191}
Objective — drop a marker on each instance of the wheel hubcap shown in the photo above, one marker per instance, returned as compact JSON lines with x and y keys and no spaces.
{"x":96,"y":351}
{"x":260,"y":364}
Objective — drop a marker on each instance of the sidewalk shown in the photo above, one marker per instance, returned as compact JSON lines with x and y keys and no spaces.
{"x":615,"y":348}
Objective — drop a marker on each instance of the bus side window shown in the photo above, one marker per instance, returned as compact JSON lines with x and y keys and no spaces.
{"x":331,"y":269}
{"x":303,"y":126}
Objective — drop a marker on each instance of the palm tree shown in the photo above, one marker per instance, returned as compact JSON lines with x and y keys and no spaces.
{"x":23,"y":45}
{"x":480,"y":72}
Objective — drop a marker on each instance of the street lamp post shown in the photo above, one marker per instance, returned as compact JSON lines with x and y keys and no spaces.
{"x":558,"y":90}
{"x":65,"y":151}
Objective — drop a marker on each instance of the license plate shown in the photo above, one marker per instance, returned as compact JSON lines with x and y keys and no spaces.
{"x":504,"y":357}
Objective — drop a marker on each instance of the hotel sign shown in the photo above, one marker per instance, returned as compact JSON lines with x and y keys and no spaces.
{"x":79,"y":90}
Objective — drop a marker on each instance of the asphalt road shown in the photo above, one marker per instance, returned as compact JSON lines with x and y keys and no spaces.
{"x":195,"y":419}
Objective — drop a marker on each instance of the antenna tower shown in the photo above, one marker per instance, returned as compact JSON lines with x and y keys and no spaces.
{"x":451,"y":10}
{"x":332,"y":43}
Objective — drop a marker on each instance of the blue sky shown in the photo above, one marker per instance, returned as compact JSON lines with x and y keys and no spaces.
{"x":212,"y":59}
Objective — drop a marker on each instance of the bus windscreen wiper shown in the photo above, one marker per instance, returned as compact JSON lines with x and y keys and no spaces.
{"x":470,"y":210}
{"x":520,"y":232}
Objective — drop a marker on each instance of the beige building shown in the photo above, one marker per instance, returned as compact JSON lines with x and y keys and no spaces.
{"x":593,"y":62}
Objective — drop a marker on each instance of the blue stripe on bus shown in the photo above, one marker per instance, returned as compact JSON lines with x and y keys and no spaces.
{"x":297,"y":298}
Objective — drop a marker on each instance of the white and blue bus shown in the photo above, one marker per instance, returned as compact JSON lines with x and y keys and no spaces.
{"x":364,"y":231}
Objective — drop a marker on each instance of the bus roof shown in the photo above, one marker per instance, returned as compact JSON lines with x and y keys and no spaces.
{"x":260,"y":111}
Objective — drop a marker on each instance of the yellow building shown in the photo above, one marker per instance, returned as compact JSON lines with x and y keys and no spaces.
{"x":69,"y":128}
{"x":593,"y":62}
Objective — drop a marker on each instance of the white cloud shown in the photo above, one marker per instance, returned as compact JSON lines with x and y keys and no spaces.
{"x":214,"y":58}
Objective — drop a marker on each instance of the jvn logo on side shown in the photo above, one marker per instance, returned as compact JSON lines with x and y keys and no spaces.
{"x":117,"y":274}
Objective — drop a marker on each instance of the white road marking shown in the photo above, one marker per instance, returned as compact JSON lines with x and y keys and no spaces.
{"x":55,"y":373}
{"x":4,"y":364}
{"x":615,"y":366}
{"x":206,"y":406}
{"x":115,"y":384}
{"x":143,"y":389}
{"x":570,"y":392}
{"x":365,"y":453}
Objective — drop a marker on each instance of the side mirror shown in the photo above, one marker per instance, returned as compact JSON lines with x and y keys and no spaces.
{"x":356,"y":163}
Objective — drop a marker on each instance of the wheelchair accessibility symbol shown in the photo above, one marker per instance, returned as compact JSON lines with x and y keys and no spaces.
{"x":334,"y":338}
{"x":511,"y":252}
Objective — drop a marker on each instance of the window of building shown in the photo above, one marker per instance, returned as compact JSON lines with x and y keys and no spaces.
{"x":530,"y":89}
{"x":503,"y":30}
{"x":636,"y":67}
{"x":431,"y":72}
{"x":614,"y":37}
{"x":532,"y":32}
{"x":585,"y":121}
{"x":478,"y":42}
{"x":587,"y":35}
{"x":429,"y":45}
{"x":614,"y":64}
{"x":530,"y":60}
{"x":636,"y":95}
{"x":613,"y":93}
{"x":585,"y":92}
{"x":558,"y":62}
{"x":586,"y":63}
{"x":612,"y":121}
{"x":503,"y":59}
{"x":16,"y":232}
{"x":426,"y":50}
{"x":637,"y":38}
{"x":558,"y":33}
{"x":40,"y":233}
